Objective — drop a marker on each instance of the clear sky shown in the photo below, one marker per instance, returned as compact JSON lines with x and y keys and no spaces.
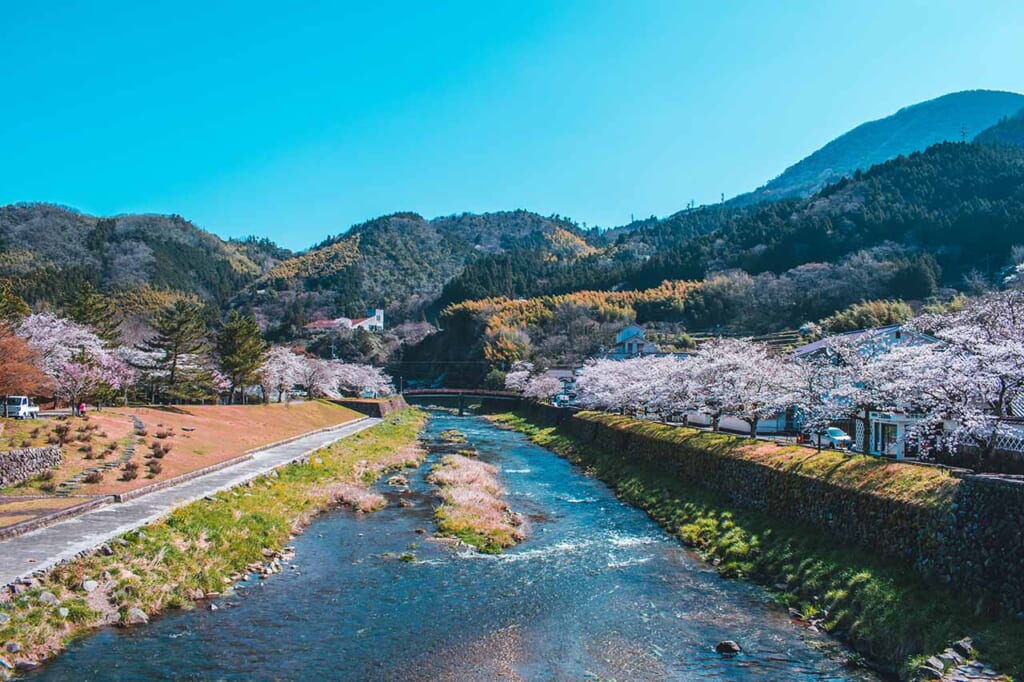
{"x":296,"y":120}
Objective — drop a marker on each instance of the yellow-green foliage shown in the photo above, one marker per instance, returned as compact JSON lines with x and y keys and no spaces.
{"x":507,"y":320}
{"x":166,"y":564}
{"x":885,"y":610}
{"x":321,"y":263}
{"x":868,"y":314}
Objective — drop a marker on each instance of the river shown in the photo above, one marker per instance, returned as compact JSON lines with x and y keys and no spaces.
{"x":597,"y":591}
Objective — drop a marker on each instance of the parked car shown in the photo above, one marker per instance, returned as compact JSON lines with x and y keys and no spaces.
{"x":20,"y":407}
{"x":836,"y":438}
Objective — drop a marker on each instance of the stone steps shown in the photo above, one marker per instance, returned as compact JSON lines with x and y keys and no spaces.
{"x":68,"y":487}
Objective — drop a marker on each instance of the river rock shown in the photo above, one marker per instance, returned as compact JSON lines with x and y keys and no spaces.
{"x":25,"y":664}
{"x":49,"y":599}
{"x":728,"y":647}
{"x":4,"y":619}
{"x":135,"y":616}
{"x":63,"y":612}
{"x":90,"y":585}
{"x":965,"y":647}
{"x":13,"y":647}
{"x":927,"y":672}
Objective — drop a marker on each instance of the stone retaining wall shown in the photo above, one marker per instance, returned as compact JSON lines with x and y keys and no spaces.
{"x":373,"y":408}
{"x":20,"y":465}
{"x":972,"y":539}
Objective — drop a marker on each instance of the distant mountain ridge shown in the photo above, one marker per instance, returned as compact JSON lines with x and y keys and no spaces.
{"x":47,"y":251}
{"x":413,"y":266}
{"x":399,"y":262}
{"x":911,"y":129}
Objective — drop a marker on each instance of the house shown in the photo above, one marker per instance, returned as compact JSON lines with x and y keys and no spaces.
{"x":873,"y":340}
{"x":374,"y":322}
{"x":886,"y":431}
{"x":630,"y":343}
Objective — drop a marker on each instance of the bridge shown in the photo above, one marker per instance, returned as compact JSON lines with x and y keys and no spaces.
{"x":462,"y":395}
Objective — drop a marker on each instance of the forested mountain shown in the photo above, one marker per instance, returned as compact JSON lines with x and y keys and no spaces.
{"x":401,"y":262}
{"x":905,"y":228}
{"x":1009,"y":130}
{"x":48,"y":251}
{"x":963,"y":204}
{"x":911,"y":129}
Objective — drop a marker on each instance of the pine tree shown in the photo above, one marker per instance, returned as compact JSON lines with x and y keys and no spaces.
{"x":240,"y":351}
{"x":95,"y":309}
{"x":176,"y":352}
{"x":12,"y":306}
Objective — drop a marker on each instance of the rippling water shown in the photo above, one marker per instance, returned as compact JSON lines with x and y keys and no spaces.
{"x":598,"y":591}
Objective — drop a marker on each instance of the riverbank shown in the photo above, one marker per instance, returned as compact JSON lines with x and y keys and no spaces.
{"x":199,"y":550}
{"x":884,"y":609}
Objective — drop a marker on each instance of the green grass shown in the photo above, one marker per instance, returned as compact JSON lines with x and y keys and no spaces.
{"x":885,"y":610}
{"x":167,"y":564}
{"x":928,"y":486}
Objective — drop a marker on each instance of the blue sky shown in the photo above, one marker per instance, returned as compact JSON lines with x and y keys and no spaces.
{"x":297,"y":120}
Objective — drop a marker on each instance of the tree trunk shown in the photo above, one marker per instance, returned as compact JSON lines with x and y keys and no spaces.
{"x":866,"y":441}
{"x":753,"y":427}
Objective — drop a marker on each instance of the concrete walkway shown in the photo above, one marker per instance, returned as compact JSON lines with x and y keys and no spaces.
{"x":44,"y":548}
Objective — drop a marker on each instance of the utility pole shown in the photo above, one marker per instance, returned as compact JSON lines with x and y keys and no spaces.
{"x":963,"y":134}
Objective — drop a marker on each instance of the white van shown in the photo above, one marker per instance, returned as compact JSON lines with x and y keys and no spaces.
{"x":20,"y":407}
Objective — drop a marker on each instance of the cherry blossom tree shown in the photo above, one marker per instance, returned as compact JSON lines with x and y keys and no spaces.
{"x":543,"y":387}
{"x":519,"y":376}
{"x":71,"y":354}
{"x":282,"y":369}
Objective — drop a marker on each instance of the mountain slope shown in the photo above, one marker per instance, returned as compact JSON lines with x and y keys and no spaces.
{"x":1009,"y":130}
{"x":910,"y":129}
{"x":961,"y":203}
{"x":400,"y":262}
{"x":47,"y":251}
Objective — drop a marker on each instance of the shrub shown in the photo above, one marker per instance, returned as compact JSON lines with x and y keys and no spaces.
{"x":48,"y":486}
{"x":130,"y":471}
{"x":87,"y":449}
{"x":141,"y":433}
{"x":155,"y":467}
{"x":162,"y":434}
{"x":46,"y":475}
{"x":26,"y":443}
{"x":53,"y":440}
{"x":93,"y":477}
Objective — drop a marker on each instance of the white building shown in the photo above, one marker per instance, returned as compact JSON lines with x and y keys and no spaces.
{"x":374,"y":322}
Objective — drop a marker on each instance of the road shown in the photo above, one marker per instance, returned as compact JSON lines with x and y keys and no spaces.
{"x":47,"y":547}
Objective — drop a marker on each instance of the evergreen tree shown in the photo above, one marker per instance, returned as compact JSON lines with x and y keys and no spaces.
{"x":88,"y":306}
{"x":240,"y":351}
{"x":12,"y":306}
{"x":175,"y":353}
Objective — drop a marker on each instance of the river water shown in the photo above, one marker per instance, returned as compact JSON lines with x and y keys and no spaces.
{"x":597,"y":591}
